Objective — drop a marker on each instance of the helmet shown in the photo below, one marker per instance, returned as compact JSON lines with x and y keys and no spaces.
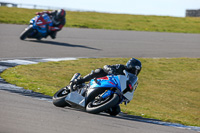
{"x":134,"y":66}
{"x":60,"y":14}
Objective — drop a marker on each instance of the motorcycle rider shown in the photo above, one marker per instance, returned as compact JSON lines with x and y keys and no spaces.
{"x":133,"y":66}
{"x":58,"y":19}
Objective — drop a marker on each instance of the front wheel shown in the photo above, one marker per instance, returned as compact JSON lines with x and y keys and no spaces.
{"x":26,"y":32}
{"x":59,"y":97}
{"x":97,"y":105}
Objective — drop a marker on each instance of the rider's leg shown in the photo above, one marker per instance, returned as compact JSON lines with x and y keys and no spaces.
{"x":94,"y":74}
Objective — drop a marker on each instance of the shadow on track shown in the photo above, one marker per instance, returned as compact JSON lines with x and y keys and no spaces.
{"x":121,"y":115}
{"x":124,"y":116}
{"x":63,"y":44}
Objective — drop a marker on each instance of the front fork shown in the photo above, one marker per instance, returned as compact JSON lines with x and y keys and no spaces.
{"x":107,"y":94}
{"x":111,"y":92}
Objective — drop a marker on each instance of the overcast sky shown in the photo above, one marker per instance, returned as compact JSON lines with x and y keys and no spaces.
{"x":175,"y":8}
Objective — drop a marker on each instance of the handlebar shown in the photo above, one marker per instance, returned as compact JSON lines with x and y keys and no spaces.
{"x":126,"y":73}
{"x":76,"y":76}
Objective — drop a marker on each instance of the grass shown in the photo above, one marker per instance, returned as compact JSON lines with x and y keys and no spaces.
{"x":109,"y":21}
{"x":169,"y":89}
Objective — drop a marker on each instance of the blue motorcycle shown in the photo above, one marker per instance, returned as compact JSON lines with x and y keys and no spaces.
{"x":38,"y":27}
{"x":99,"y":95}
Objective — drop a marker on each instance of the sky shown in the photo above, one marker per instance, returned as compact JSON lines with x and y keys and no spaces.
{"x":176,"y":8}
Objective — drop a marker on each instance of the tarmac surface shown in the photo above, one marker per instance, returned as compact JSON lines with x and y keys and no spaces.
{"x":27,"y":112}
{"x":74,"y":42}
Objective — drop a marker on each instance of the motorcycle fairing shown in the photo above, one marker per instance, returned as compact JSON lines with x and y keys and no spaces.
{"x":109,"y":81}
{"x":133,"y":81}
{"x":101,"y":84}
{"x":75,"y":100}
{"x":32,"y":20}
{"x":119,"y":81}
{"x":40,"y":24}
{"x":42,"y":20}
{"x":106,"y":82}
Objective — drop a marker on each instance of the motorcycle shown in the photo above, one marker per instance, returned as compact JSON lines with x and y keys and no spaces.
{"x":99,"y":95}
{"x":38,"y":27}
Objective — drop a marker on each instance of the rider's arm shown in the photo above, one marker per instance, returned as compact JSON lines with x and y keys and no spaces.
{"x":115,"y":69}
{"x":51,"y":28}
{"x":57,"y":28}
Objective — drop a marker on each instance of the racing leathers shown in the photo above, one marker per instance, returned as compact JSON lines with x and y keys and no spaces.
{"x":57,"y":23}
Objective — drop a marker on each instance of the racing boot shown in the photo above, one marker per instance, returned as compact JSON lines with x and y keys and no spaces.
{"x":53,"y":34}
{"x":78,"y":81}
{"x":39,"y":36}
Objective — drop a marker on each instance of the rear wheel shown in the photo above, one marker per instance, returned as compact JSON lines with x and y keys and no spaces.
{"x":59,"y":97}
{"x":26,"y":32}
{"x":98,"y":105}
{"x":114,"y":110}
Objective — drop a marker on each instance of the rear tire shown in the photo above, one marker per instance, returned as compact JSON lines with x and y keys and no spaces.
{"x":115,"y":110}
{"x":113,"y":101}
{"x":26,"y":32}
{"x":59,"y":98}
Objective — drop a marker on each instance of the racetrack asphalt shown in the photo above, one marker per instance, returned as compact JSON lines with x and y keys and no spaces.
{"x":74,"y":42}
{"x":25,"y":114}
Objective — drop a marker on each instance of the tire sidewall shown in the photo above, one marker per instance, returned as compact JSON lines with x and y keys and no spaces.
{"x":111,"y":103}
{"x":60,"y":101}
{"x":25,"y":33}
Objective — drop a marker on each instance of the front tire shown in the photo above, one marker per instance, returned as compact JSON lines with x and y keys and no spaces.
{"x":59,"y":97}
{"x":92,"y":107}
{"x":26,"y":32}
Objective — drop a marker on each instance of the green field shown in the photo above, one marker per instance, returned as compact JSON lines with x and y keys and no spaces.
{"x":109,"y":21}
{"x":169,"y":89}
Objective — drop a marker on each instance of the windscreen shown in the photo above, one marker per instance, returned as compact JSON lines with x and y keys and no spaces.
{"x":46,"y":18}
